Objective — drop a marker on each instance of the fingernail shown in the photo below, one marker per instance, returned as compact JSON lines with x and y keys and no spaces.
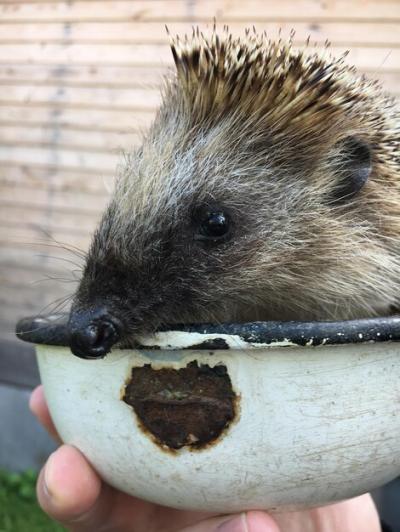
{"x":237,"y":524}
{"x":47,"y":477}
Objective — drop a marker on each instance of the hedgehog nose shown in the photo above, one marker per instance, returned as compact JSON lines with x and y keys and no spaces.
{"x":92,"y":334}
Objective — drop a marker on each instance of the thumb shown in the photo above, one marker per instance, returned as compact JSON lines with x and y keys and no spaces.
{"x":253,"y":521}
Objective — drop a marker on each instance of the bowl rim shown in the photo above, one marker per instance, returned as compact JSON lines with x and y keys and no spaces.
{"x":53,"y":330}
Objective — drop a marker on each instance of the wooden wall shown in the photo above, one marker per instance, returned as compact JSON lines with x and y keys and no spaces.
{"x":78,"y":81}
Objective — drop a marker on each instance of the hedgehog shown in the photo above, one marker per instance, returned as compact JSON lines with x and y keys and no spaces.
{"x":266,"y":189}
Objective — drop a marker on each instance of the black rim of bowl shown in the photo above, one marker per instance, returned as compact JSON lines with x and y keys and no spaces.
{"x":53,"y":330}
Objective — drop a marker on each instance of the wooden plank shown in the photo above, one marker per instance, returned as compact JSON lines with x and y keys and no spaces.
{"x":29,"y":176}
{"x":14,"y":276}
{"x":43,"y":256}
{"x":36,"y":282}
{"x":75,"y":54}
{"x":30,"y":304}
{"x":85,"y":75}
{"x":101,"y":119}
{"x":18,"y":308}
{"x":104,"y":163}
{"x":93,"y":97}
{"x":132,"y":32}
{"x":26,"y":262}
{"x":147,"y":54}
{"x":81,"y":233}
{"x":50,"y":169}
{"x":15,"y":215}
{"x":87,"y":98}
{"x":34,"y":236}
{"x":125,"y":76}
{"x":42,"y":291}
{"x":30,"y":234}
{"x":29,"y":292}
{"x":45,"y":278}
{"x":104,"y":141}
{"x":107,"y":75}
{"x":34,"y":299}
{"x":142,"y":10}
{"x":61,"y":201}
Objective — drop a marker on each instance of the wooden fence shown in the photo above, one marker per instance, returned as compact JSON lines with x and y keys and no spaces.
{"x":79,"y":81}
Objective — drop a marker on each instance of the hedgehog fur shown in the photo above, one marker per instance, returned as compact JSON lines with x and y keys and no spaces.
{"x":265,"y":134}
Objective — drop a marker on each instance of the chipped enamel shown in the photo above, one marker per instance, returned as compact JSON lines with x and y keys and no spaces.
{"x":184,"y":340}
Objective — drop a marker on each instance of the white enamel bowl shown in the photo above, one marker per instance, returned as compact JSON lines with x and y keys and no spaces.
{"x":313,"y":425}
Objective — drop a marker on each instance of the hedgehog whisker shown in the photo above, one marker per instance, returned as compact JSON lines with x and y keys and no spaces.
{"x":58,"y":303}
{"x":64,"y":259}
{"x":68,"y":247}
{"x":54,"y":278}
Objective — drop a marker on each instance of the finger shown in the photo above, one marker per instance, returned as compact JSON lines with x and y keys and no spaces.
{"x":245,"y":522}
{"x":347,"y":516}
{"x":359,"y":513}
{"x":70,"y":491}
{"x":38,"y":407}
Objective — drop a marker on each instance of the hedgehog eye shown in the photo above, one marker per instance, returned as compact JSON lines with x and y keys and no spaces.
{"x":213,"y":225}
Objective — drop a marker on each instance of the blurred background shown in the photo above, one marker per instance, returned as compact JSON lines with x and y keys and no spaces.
{"x":78,"y":83}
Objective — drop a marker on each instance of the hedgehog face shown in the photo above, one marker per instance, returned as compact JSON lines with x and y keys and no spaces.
{"x":169,"y":246}
{"x":251,"y":198}
{"x":203,"y":237}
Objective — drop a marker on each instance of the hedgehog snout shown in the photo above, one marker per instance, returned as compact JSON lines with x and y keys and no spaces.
{"x":93,"y":332}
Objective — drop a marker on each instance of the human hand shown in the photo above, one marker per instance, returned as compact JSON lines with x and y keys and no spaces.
{"x":70,"y":491}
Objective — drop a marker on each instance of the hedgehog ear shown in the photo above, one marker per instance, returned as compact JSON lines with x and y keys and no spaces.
{"x":354,"y":170}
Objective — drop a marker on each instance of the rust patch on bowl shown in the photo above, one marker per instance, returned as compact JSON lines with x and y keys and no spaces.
{"x":187,"y":407}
